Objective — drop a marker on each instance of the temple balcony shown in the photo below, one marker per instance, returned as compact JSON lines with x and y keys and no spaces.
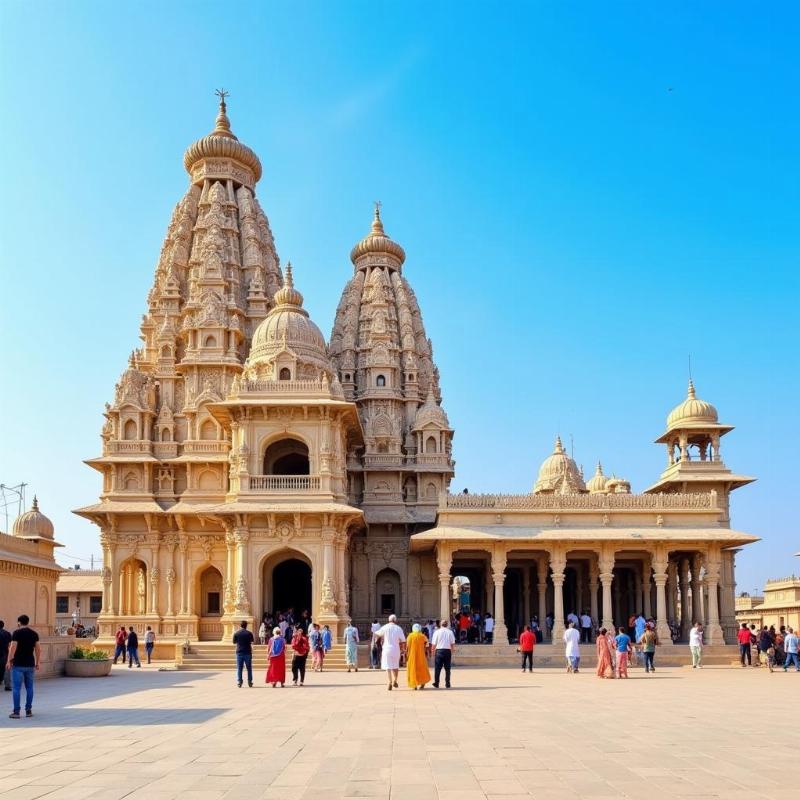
{"x":384,"y":460}
{"x":128,"y":447}
{"x":163,"y":450}
{"x":197,"y":447}
{"x":583,"y":502}
{"x":284,"y":483}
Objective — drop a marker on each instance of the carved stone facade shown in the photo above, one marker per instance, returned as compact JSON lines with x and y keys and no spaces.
{"x":238,"y":441}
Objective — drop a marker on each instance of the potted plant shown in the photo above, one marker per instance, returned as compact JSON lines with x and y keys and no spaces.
{"x":86,"y":663}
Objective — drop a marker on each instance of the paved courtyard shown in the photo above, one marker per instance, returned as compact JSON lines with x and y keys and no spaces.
{"x":715,"y":733}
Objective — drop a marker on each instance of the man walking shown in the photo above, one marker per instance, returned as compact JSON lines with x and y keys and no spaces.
{"x":392,"y":643}
{"x":149,"y":642}
{"x":696,"y":645}
{"x":5,"y":643}
{"x":133,"y":648}
{"x":586,"y":628}
{"x":743,"y":637}
{"x":374,"y":646}
{"x":243,"y":639}
{"x":527,"y":641}
{"x":572,"y":651}
{"x":791,"y":645}
{"x":649,"y":641}
{"x":120,"y":638}
{"x":443,"y":644}
{"x":24,"y":655}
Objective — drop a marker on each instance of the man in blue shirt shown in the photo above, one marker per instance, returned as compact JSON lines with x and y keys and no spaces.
{"x":623,"y":649}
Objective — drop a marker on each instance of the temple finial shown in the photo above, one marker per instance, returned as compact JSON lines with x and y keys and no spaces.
{"x":223,"y":124}
{"x":377,"y":223}
{"x":288,"y":280}
{"x":35,"y":503}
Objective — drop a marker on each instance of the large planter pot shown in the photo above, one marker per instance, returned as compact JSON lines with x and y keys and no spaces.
{"x":84,"y":668}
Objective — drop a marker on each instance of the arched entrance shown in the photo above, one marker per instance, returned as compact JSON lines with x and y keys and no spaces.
{"x":287,"y":584}
{"x":387,"y":589}
{"x":210,"y":605}
{"x":286,"y":457}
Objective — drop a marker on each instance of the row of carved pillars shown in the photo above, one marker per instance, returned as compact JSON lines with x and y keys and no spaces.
{"x":681,"y":589}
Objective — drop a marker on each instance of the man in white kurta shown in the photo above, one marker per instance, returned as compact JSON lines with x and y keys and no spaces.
{"x":572,"y":639}
{"x":393,"y":638}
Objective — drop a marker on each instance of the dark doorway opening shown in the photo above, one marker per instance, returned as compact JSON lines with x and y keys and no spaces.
{"x":286,"y":457}
{"x":291,"y":586}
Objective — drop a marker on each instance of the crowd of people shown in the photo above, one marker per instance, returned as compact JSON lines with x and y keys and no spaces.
{"x":773,"y":648}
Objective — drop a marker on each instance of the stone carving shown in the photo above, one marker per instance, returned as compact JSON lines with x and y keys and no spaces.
{"x":327,"y":602}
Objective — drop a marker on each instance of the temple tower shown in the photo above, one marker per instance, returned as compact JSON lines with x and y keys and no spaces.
{"x":384,"y":361}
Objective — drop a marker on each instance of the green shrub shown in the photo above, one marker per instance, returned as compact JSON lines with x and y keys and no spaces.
{"x":88,"y":655}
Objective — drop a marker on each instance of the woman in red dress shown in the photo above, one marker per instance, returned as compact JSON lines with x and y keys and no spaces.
{"x":276,"y":659}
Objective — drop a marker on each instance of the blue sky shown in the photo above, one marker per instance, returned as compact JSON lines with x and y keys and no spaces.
{"x":586,"y":195}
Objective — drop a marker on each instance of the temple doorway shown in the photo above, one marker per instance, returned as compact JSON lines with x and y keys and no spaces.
{"x":291,"y":587}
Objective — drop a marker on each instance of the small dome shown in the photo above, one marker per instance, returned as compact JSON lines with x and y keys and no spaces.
{"x":559,"y":473}
{"x":430,"y":412}
{"x":692,"y":412}
{"x":221,"y":143}
{"x":33,"y":524}
{"x":376,"y":241}
{"x":288,"y":327}
{"x":597,"y":483}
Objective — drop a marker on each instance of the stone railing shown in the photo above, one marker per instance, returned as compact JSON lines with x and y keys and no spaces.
{"x":165,"y":449}
{"x":128,"y":447}
{"x":193,"y":447}
{"x":581,"y":502}
{"x":309,"y":388}
{"x":433,"y":459}
{"x":284,"y":483}
{"x":383,"y":460}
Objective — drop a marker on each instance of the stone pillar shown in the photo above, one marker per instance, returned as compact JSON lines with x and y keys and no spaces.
{"x":229,"y":600}
{"x":499,"y":561}
{"x":242,"y":605}
{"x":171,"y":580}
{"x":444,"y":563}
{"x":593,"y":578}
{"x":672,"y":577}
{"x":155,"y":574}
{"x":558,"y":564}
{"x":713,"y":630}
{"x":647,"y":586}
{"x":697,"y":604}
{"x":728,"y":595}
{"x":183,"y":546}
{"x":637,"y":593}
{"x":526,"y":592}
{"x":110,"y":578}
{"x":660,"y":580}
{"x":685,"y":615}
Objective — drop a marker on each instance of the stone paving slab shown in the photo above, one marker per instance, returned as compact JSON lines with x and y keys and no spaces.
{"x":153,"y":735}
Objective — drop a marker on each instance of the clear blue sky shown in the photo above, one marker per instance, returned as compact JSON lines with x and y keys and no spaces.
{"x":586,"y":195}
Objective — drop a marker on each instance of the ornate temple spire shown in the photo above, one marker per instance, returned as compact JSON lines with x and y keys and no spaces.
{"x":223,"y":124}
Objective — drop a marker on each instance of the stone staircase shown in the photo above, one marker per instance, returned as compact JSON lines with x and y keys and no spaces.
{"x":218,"y":656}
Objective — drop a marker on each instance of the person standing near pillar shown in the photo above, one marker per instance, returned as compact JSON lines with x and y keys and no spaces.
{"x":443,"y":645}
{"x":243,"y":639}
{"x":696,"y":645}
{"x":527,"y":641}
{"x":488,"y":628}
{"x":586,"y":628}
{"x":743,"y":637}
{"x":572,"y":650}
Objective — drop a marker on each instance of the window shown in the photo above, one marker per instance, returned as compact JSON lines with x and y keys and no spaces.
{"x":62,"y":605}
{"x":213,"y":602}
{"x":285,"y":374}
{"x":95,"y":603}
{"x":347,"y":376}
{"x":380,"y":380}
{"x":387,"y":604}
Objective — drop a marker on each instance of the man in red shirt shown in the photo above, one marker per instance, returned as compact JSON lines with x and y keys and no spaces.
{"x":743,"y":636}
{"x":527,"y":641}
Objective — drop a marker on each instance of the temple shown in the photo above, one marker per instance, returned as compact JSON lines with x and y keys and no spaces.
{"x":249,"y":466}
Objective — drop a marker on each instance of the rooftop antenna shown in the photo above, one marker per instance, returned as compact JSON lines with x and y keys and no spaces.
{"x":17,"y":492}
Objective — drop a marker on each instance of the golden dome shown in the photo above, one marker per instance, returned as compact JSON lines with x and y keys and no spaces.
{"x":33,"y":524}
{"x":559,"y":473}
{"x":222,"y":143}
{"x":692,"y":412}
{"x":288,"y":327}
{"x":377,"y":242}
{"x":597,"y":483}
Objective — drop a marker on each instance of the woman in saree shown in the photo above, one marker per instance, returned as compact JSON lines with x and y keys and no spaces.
{"x":351,"y":647}
{"x":417,"y":671}
{"x":276,"y":659}
{"x":605,"y":664}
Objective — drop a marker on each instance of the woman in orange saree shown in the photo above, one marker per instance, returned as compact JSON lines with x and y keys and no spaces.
{"x":605,"y":666}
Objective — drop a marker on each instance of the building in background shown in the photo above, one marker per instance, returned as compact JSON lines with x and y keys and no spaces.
{"x":28,"y":576}
{"x":780,"y":605}
{"x":248,"y":466}
{"x":79,"y":597}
